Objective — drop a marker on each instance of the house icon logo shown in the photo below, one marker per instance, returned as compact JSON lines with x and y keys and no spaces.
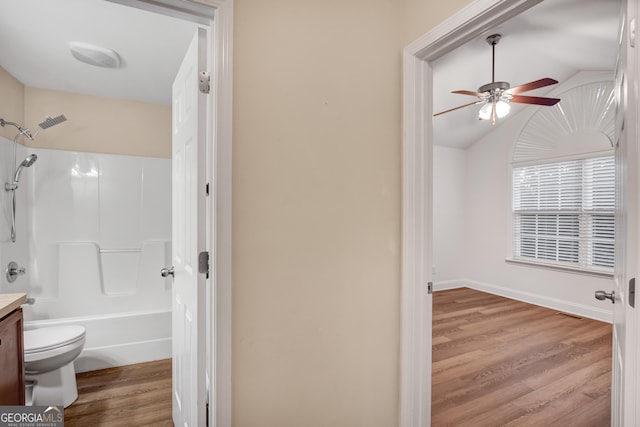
{"x":53,"y":408}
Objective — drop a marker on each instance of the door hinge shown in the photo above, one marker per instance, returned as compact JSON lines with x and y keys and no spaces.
{"x":205,"y":82}
{"x":203,"y":263}
{"x":632,"y":32}
{"x":430,"y":287}
{"x":632,"y":292}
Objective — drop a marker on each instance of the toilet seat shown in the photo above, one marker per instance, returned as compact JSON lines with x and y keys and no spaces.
{"x":51,"y":338}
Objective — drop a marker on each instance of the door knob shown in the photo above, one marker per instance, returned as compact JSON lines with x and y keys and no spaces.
{"x":602,"y":295}
{"x":166,"y":272}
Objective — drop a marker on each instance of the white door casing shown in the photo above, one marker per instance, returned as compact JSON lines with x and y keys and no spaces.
{"x":189,"y":208}
{"x":417,"y":149}
{"x":475,"y":19}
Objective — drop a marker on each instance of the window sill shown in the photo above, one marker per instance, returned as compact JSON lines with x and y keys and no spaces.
{"x":559,"y":267}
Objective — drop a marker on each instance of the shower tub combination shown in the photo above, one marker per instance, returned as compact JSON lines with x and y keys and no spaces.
{"x":93,"y":232}
{"x":112,"y":294}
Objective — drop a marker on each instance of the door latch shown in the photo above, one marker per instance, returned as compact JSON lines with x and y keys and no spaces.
{"x":203,"y":263}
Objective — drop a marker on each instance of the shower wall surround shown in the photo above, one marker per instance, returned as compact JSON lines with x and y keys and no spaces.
{"x":93,"y":231}
{"x":102,"y":226}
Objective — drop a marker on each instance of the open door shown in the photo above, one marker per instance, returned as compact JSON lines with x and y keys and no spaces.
{"x":626,"y":155}
{"x":189,"y":210}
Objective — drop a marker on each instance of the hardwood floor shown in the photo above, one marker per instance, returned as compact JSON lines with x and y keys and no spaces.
{"x":496,"y":362}
{"x":500,"y":362}
{"x":127,"y":396}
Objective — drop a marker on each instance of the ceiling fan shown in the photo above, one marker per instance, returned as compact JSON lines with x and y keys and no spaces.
{"x":496,"y":96}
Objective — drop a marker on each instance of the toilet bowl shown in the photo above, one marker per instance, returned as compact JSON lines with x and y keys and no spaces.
{"x":48,"y":363}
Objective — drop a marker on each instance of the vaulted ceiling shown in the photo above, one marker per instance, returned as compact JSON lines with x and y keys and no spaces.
{"x":556,"y":38}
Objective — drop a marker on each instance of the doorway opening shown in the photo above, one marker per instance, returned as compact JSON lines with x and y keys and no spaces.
{"x":217,"y":17}
{"x":418,"y":276}
{"x":219,"y":49}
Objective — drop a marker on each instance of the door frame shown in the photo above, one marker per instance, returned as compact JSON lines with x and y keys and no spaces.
{"x":417,"y":187}
{"x":219,"y":151}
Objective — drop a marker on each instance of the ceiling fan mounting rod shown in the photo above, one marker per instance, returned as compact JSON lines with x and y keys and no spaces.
{"x":493,"y":41}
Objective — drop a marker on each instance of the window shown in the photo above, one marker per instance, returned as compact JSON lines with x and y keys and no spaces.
{"x":563,"y":213}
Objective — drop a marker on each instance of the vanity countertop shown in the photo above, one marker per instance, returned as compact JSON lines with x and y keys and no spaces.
{"x":9,"y":302}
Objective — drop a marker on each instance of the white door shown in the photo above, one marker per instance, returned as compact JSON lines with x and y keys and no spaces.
{"x":624,"y":327}
{"x":189,"y":238}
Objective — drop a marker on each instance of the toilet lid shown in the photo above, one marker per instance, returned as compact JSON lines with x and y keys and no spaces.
{"x":51,"y":337}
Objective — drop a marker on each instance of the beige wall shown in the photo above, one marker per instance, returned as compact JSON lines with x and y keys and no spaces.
{"x":422,"y":15}
{"x":317,"y":209}
{"x":11,"y":103}
{"x":98,"y":124}
{"x":95,"y":124}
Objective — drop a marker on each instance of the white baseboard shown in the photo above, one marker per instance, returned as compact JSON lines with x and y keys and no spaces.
{"x":528,"y":297}
{"x":444,"y":285}
{"x":92,"y":359}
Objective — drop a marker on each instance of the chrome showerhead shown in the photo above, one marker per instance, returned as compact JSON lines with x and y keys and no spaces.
{"x":49,"y":122}
{"x":31,"y":159}
{"x":22,"y":130}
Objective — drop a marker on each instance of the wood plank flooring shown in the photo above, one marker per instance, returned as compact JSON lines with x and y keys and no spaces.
{"x":500,"y":362}
{"x":126,"y":396}
{"x":496,"y":362}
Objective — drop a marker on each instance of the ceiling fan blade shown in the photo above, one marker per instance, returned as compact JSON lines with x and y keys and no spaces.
{"x":457,"y":108}
{"x":531,"y":86}
{"x":468,"y":92}
{"x":536,"y":100}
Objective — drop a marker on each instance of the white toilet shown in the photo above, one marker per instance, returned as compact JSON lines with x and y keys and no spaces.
{"x":48,"y":362}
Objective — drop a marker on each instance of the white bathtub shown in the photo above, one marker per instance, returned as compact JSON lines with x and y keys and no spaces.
{"x":119,"y":339}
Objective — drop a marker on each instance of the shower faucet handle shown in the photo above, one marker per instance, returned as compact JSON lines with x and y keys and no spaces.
{"x":13,"y":271}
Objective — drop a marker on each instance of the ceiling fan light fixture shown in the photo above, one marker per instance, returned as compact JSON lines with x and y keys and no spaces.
{"x":485,"y":111}
{"x":502,"y":108}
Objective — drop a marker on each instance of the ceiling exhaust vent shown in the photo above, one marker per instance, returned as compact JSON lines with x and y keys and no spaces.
{"x":95,"y":55}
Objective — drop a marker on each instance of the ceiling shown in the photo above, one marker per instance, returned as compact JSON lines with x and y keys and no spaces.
{"x":35,"y":47}
{"x":555,"y":38}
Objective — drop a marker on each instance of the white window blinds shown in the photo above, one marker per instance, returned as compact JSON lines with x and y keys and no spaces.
{"x":564,"y":212}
